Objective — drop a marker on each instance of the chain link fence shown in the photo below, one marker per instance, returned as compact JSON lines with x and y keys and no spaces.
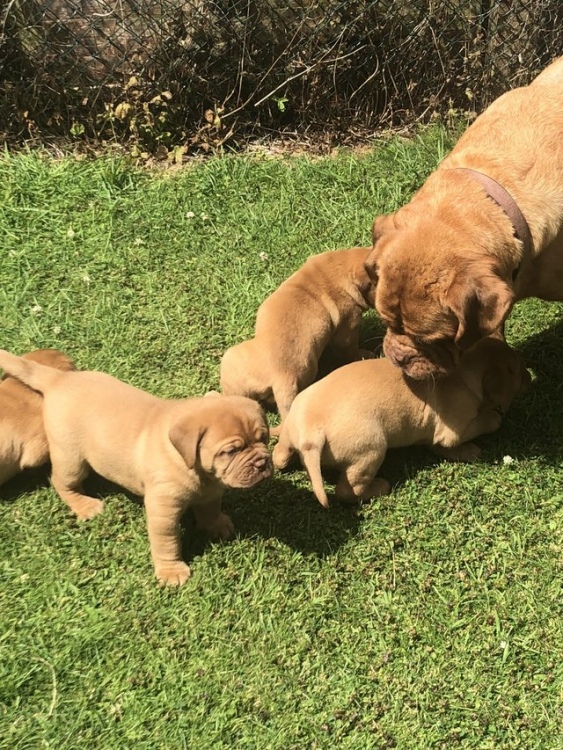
{"x":198,"y":73}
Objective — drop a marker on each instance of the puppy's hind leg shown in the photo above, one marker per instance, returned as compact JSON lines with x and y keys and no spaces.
{"x":283,"y":452}
{"x":210,"y":518}
{"x":285,"y":390}
{"x":358,"y":481}
{"x":67,"y":476}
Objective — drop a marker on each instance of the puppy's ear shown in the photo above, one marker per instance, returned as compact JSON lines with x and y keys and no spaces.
{"x":495,"y":388}
{"x":381,"y":225}
{"x":481,"y":305}
{"x":186,"y":437}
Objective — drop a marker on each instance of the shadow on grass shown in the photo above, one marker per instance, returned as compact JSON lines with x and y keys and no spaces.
{"x":26,"y":482}
{"x":280,"y":509}
{"x":536,"y":417}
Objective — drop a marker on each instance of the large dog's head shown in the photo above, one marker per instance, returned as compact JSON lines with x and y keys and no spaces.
{"x":227,"y":439}
{"x":436,"y":290}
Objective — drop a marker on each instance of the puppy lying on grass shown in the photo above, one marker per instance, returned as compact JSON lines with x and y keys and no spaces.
{"x":316,"y":310}
{"x":23,"y":443}
{"x":177,"y":454}
{"x":349,"y":419}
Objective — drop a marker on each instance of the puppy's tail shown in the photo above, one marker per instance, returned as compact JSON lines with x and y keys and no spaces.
{"x":36,"y":376}
{"x":311,"y":457}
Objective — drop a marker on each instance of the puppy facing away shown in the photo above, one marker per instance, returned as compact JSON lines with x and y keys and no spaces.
{"x":23,"y":443}
{"x":316,"y":310}
{"x":349,"y":419}
{"x":176,"y":453}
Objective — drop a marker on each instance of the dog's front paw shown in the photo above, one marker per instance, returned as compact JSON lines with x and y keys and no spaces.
{"x":378,"y":487}
{"x":221,"y":528}
{"x":173,"y":574}
{"x":466,"y":452}
{"x":88,"y":508}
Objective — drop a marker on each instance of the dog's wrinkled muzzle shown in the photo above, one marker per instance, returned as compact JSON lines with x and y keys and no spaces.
{"x":248,"y":469}
{"x":418,"y":364}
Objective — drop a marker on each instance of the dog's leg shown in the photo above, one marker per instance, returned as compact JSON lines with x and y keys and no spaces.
{"x":358,"y":481}
{"x":345,"y":344}
{"x":163,"y":523}
{"x":285,"y":392}
{"x":67,"y":476}
{"x":486,"y":421}
{"x":283,"y":453}
{"x":210,"y":518}
{"x":466,"y":452}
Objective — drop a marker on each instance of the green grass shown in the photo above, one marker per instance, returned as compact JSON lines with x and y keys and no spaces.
{"x":431,"y":618}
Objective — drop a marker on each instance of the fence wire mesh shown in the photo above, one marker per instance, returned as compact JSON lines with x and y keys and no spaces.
{"x":165,"y":72}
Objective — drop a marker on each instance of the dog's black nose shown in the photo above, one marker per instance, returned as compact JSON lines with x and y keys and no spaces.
{"x":400,"y":359}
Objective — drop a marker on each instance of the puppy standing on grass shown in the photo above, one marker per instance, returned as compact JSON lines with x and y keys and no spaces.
{"x":348,"y":419}
{"x":23,"y":443}
{"x":175,"y":453}
{"x":316,"y":310}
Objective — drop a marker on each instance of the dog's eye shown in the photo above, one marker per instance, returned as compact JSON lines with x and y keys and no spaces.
{"x":231,"y":450}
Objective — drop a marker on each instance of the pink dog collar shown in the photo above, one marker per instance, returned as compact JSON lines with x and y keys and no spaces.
{"x":503,"y":198}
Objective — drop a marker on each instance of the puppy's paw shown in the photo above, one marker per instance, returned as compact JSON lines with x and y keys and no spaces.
{"x":221,"y":528}
{"x":172,"y":574}
{"x":466,"y":452}
{"x":377,"y":488}
{"x":88,"y":508}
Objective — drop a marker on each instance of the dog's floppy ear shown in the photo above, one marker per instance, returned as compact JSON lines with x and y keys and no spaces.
{"x":186,"y":437}
{"x":481,"y":305}
{"x":495,"y":388}
{"x":501,"y":385}
{"x":380,"y":225}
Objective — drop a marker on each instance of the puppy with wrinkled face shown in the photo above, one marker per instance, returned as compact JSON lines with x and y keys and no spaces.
{"x":23,"y":443}
{"x":349,"y":419}
{"x":177,"y":454}
{"x":315,"y":311}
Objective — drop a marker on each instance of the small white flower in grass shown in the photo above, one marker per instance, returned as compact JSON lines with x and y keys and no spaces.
{"x":57,"y":330}
{"x":190,"y":215}
{"x":70,"y":233}
{"x":507,"y":460}
{"x":138,"y":241}
{"x":263,"y":256}
{"x":36,"y":309}
{"x":86,"y":278}
{"x":204,"y":216}
{"x":502,"y":644}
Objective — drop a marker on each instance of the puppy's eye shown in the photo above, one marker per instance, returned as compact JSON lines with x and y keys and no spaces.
{"x":231,"y":450}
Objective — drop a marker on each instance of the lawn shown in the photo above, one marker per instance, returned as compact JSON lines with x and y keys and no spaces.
{"x":431,"y":618}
